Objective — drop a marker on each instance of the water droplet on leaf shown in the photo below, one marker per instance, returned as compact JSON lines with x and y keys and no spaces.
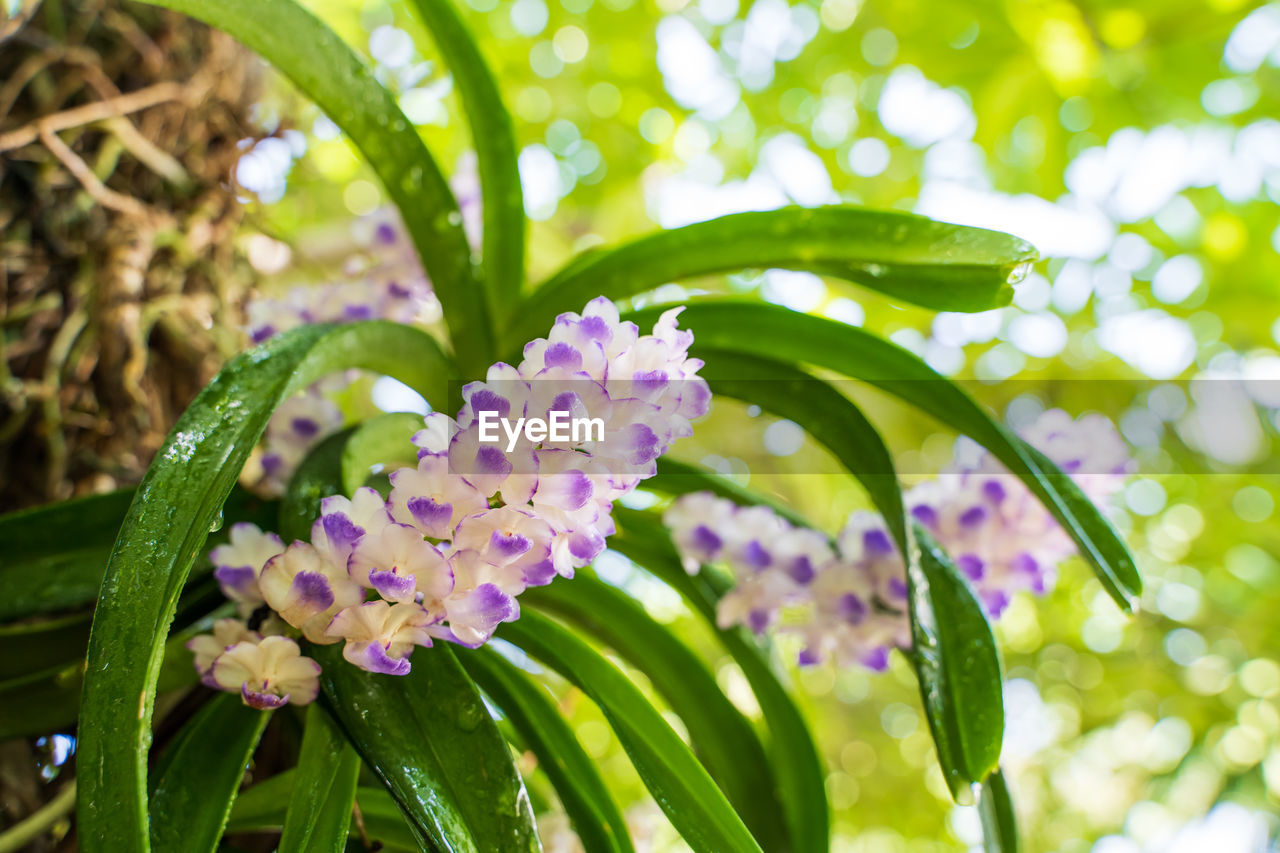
{"x":469,"y":717}
{"x":1019,"y":272}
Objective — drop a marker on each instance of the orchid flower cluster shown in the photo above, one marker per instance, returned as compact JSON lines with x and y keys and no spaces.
{"x":461,"y":535}
{"x":849,"y":597}
{"x":386,"y":282}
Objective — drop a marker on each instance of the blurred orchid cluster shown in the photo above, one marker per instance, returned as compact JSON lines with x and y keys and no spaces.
{"x":847,"y":599}
{"x":461,"y":535}
{"x":386,"y":281}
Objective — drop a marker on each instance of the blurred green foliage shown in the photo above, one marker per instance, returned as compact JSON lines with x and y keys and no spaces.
{"x":1145,"y":131}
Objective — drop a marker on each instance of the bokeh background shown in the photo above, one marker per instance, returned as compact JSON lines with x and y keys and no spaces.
{"x":1136,"y":144}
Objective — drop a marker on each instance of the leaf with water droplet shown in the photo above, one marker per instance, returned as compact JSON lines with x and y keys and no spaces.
{"x":430,"y":739}
{"x":470,"y":716}
{"x":166,"y":528}
{"x":531,"y":710}
{"x":1020,"y":272}
{"x":907,"y":257}
{"x":955,"y":658}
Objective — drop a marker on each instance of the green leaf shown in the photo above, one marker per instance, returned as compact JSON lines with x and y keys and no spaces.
{"x":48,"y":700}
{"x":320,"y":804}
{"x":341,"y":84}
{"x":721,"y":736}
{"x":385,"y":441}
{"x":955,"y":657}
{"x":940,"y":266}
{"x":197,"y":777}
{"x":954,"y":652}
{"x":178,"y":503}
{"x":40,"y":702}
{"x":55,"y":555}
{"x":999,"y":823}
{"x":30,"y":647}
{"x":428,"y":736}
{"x":801,"y":777}
{"x":494,"y":138}
{"x":679,"y":783}
{"x":263,"y":808}
{"x":741,"y":326}
{"x":530,"y":709}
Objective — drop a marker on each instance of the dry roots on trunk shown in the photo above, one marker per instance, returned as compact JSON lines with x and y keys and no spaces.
{"x":120,"y":280}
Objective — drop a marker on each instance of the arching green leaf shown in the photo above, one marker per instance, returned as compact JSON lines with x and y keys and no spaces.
{"x":430,"y":739}
{"x":197,"y":777}
{"x":677,"y":781}
{"x":320,"y":803}
{"x":494,"y":138}
{"x":578,"y":783}
{"x":721,"y":736}
{"x":178,"y":502}
{"x":934,"y":264}
{"x":54,"y":555}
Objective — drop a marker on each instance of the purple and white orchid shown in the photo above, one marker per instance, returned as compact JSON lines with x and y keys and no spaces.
{"x":474,"y":523}
{"x":267,"y":673}
{"x":238,"y":564}
{"x":850,"y":604}
{"x":379,"y":636}
{"x":307,"y":590}
{"x":386,"y":281}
